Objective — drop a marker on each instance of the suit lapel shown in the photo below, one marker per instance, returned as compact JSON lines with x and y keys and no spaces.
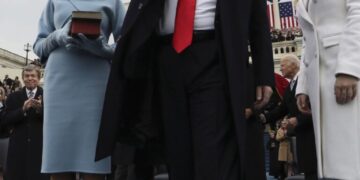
{"x":38,"y":92}
{"x":293,"y":90}
{"x":303,"y":12}
{"x":24,"y":96}
{"x":134,"y":10}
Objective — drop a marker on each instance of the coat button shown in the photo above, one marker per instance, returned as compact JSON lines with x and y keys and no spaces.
{"x":28,"y":140}
{"x":316,"y":56}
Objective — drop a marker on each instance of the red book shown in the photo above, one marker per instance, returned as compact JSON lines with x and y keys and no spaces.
{"x":86,"y":22}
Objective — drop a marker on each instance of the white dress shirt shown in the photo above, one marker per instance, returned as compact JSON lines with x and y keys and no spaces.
{"x":204,"y":16}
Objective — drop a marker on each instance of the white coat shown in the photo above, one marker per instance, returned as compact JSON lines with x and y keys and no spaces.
{"x":331,"y":30}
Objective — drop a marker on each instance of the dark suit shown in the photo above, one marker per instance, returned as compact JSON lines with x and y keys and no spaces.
{"x":238,"y":24}
{"x":304,"y":132}
{"x":287,"y":107}
{"x":25,"y":145}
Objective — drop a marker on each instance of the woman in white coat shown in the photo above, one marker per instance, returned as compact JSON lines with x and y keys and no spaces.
{"x":329,"y":75}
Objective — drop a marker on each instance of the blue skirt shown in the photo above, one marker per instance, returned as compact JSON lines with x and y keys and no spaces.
{"x":74,"y":90}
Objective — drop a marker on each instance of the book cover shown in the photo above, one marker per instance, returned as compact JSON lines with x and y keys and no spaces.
{"x":86,"y":22}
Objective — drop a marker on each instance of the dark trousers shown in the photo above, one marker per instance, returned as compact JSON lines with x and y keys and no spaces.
{"x":199,"y":138}
{"x":311,"y":175}
{"x":306,"y":152}
{"x":134,"y":172}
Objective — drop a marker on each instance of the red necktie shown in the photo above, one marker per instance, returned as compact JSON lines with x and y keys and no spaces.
{"x":184,"y":24}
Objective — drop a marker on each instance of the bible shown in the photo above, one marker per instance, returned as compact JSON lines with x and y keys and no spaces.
{"x":86,"y":22}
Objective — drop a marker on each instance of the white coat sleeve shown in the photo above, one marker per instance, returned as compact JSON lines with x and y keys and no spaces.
{"x":301,"y":82}
{"x":349,"y":57}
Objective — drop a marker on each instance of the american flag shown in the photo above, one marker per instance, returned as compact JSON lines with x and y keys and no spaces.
{"x":270,"y":13}
{"x":287,"y":18}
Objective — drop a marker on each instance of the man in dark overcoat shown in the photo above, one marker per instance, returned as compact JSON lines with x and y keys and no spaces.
{"x":200,"y":78}
{"x":301,"y":124}
{"x":24,"y":114}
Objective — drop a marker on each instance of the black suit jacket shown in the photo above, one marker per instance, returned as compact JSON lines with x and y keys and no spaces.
{"x":287,"y":107}
{"x":238,"y":24}
{"x":25,"y":144}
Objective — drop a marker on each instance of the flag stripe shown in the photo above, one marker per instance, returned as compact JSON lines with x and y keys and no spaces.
{"x":270,"y":13}
{"x":287,"y":17}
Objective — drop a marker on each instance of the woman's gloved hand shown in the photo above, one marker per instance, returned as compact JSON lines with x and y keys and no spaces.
{"x":61,"y":36}
{"x":98,"y":47}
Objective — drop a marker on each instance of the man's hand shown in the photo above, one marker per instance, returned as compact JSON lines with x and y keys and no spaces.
{"x":27,"y":105}
{"x":345,"y":88}
{"x":262,"y":118}
{"x":248,"y":113}
{"x":263,"y":94}
{"x":293,"y":121}
{"x":303,"y":104}
{"x":33,"y":103}
{"x":37,"y":103}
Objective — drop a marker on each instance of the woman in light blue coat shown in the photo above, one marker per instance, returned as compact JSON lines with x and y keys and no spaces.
{"x":76,"y":75}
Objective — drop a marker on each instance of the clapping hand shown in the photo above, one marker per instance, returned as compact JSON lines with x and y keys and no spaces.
{"x":37,"y":103}
{"x":33,"y":103}
{"x":27,"y":104}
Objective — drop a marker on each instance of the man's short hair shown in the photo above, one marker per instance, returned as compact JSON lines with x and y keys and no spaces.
{"x":32,"y":67}
{"x":291,"y":58}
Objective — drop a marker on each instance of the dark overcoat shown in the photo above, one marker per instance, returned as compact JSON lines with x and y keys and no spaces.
{"x":25,"y":144}
{"x":255,"y":149}
{"x":238,"y":25}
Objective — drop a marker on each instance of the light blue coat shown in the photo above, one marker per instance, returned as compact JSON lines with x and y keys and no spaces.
{"x":74,"y":88}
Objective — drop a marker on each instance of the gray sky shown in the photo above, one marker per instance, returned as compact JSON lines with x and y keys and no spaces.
{"x":18,"y":24}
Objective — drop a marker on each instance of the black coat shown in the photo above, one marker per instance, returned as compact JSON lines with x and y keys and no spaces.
{"x":305,"y":144}
{"x":25,"y":144}
{"x":275,"y":168}
{"x":255,"y":150}
{"x":287,"y":107}
{"x":304,"y":131}
{"x":238,"y":24}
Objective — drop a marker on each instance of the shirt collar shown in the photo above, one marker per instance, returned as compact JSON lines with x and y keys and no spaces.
{"x":296,"y":76}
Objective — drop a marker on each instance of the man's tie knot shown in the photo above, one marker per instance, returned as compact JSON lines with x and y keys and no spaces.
{"x":31,"y":94}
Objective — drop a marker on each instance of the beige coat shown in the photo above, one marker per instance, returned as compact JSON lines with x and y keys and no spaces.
{"x":331,"y":31}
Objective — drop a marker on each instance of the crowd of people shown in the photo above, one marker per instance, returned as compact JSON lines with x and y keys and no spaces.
{"x":279,"y":35}
{"x":177,"y":88}
{"x":10,"y":85}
